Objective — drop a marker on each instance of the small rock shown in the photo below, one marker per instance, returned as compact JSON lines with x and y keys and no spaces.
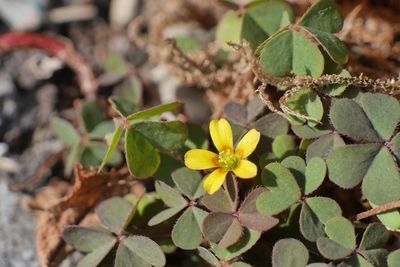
{"x":9,"y":165}
{"x":17,"y":230}
{"x":168,"y":84}
{"x":72,"y":13}
{"x":22,"y":15}
{"x":122,"y":12}
{"x":6,"y":84}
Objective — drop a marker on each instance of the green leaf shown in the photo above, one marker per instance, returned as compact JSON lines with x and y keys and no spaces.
{"x":315,"y":174}
{"x":263,"y":18}
{"x":142,"y":157}
{"x":323,"y":16}
{"x":146,"y":249}
{"x":337,"y":89}
{"x":376,"y":257}
{"x":73,"y":157}
{"x":304,"y":144}
{"x":297,"y":167}
{"x":306,"y":102}
{"x":289,"y":253}
{"x":249,"y":216}
{"x":155,"y":111}
{"x":271,"y":125}
{"x":102,"y":129}
{"x":341,"y":230}
{"x":349,"y":164}
{"x":324,"y":145}
{"x":206,"y":255}
{"x":358,"y":127}
{"x":86,"y":239}
{"x":123,"y":106}
{"x":315,"y":213}
{"x":332,"y":250}
{"x":284,"y":190}
{"x":333,"y":46}
{"x":391,"y":219}
{"x":65,"y":132}
{"x":246,"y":242}
{"x":165,"y":136}
{"x":94,"y":152}
{"x":126,"y":258}
{"x":170,"y":196}
{"x":220,"y":201}
{"x":383,"y":111}
{"x":92,"y":114}
{"x":189,"y":182}
{"x":132,"y":92}
{"x":187,"y":44}
{"x":222,"y":228}
{"x":393,"y":259}
{"x":374,"y":120}
{"x":116,"y":213}
{"x":148,"y":205}
{"x":114,"y":143}
{"x":284,"y":145}
{"x":115,"y":64}
{"x":186,"y":233}
{"x":165,"y":215}
{"x":356,"y":261}
{"x":290,"y":52}
{"x":381,"y":183}
{"x":94,"y":258}
{"x":254,"y":108}
{"x":306,"y":131}
{"x":395,"y":145}
{"x":375,"y":236}
{"x":229,"y":29}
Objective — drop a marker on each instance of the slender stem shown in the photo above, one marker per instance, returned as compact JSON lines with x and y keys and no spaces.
{"x":375,"y":211}
{"x":58,"y":47}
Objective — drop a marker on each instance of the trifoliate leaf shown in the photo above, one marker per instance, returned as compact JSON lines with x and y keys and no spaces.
{"x":289,"y":252}
{"x":284,"y":190}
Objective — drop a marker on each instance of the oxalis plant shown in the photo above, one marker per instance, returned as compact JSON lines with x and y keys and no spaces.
{"x":313,"y":181}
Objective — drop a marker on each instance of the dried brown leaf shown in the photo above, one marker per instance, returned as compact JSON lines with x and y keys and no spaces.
{"x":74,"y":208}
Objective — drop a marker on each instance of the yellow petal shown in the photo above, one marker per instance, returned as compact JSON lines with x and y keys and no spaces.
{"x":200,"y":159}
{"x":214,"y":181}
{"x":248,"y":143}
{"x":221,"y":134}
{"x":246,"y":169}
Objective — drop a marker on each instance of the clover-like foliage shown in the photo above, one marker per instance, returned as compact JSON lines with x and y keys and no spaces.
{"x":324,"y":164}
{"x":112,"y":238}
{"x":86,"y":146}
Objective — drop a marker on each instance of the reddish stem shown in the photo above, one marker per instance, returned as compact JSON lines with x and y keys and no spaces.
{"x":383,"y":208}
{"x":57,"y":47}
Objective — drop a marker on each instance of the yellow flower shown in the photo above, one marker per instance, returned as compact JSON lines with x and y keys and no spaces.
{"x":228,"y":159}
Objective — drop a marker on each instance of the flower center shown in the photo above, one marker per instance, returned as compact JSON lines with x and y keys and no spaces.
{"x":228,"y":160}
